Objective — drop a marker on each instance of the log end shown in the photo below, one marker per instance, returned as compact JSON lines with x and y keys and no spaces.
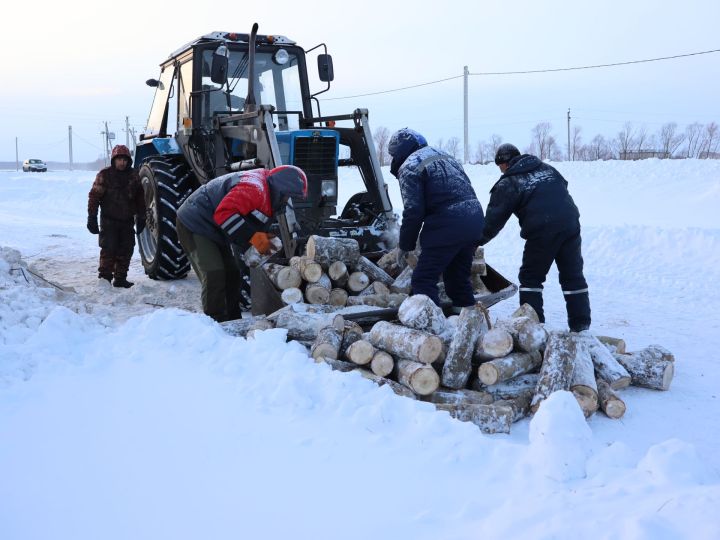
{"x":488,"y":374}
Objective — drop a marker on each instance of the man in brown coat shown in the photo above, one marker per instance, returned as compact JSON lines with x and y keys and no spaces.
{"x":118,"y":193}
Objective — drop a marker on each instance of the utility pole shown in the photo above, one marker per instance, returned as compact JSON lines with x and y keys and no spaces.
{"x":466,"y":72}
{"x":17,"y":161}
{"x":70,"y":146}
{"x":127,"y":131}
{"x":569,"y":159}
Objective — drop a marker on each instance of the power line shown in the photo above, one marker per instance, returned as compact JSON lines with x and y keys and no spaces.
{"x":526,"y":72}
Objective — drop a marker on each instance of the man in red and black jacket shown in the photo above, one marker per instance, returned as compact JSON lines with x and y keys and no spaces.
{"x":231,"y":209}
{"x":119,"y":195}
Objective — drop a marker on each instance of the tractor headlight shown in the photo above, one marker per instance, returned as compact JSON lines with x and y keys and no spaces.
{"x":328,"y":188}
{"x":281,"y":57}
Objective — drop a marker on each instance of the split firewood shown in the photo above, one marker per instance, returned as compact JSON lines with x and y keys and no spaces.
{"x":607,"y":367}
{"x":526,"y":310}
{"x":373,"y":271}
{"x":351,"y":333}
{"x":527,"y":334}
{"x":420,"y":312}
{"x":458,"y":361}
{"x":338,"y":297}
{"x":420,"y":377}
{"x":308,"y":268}
{"x":361,"y":352}
{"x":510,"y":389}
{"x":403,"y":283}
{"x":293,"y":295}
{"x":616,"y":345}
{"x":406,"y":343}
{"x":329,"y":339}
{"x":376,"y":287}
{"x":495,"y":343}
{"x":319,"y":292}
{"x":258,"y":326}
{"x":338,"y":273}
{"x":377,"y":300}
{"x":557,"y":367}
{"x":357,"y":281}
{"x":508,"y":367}
{"x":478,"y":267}
{"x":283,"y":277}
{"x":399,"y":389}
{"x":327,"y":250}
{"x":460,"y":396}
{"x":582,"y":383}
{"x":610,"y":402}
{"x":492,"y":418}
{"x":382,"y":363}
{"x":647,"y":370}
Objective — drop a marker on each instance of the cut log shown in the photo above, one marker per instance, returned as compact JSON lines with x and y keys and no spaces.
{"x":420,"y":312}
{"x":327,"y":250}
{"x":283,"y":277}
{"x":377,"y":300}
{"x":510,"y":389}
{"x":659,"y":353}
{"x":338,"y":297}
{"x":303,"y":326}
{"x":607,"y":367}
{"x":308,"y":268}
{"x":495,"y":343}
{"x":616,"y":345}
{"x":352,"y":332}
{"x":258,"y":326}
{"x":419,"y":377}
{"x":557,"y":367}
{"x":406,"y":343}
{"x":240,"y":327}
{"x":478,"y":267}
{"x":399,"y":389}
{"x":462,"y":396}
{"x":508,"y":367}
{"x":318,"y":292}
{"x":361,"y":352}
{"x":520,"y":404}
{"x":582,"y":383}
{"x":340,"y":365}
{"x":338,"y":273}
{"x":647,"y":370}
{"x":478,"y":285}
{"x":403,"y":283}
{"x":357,"y":281}
{"x":526,"y":310}
{"x":458,"y":361}
{"x":373,"y":271}
{"x":610,"y":402}
{"x":328,"y":341}
{"x":293,"y":295}
{"x":388,"y":263}
{"x":382,"y":363}
{"x":527,"y":334}
{"x":479,"y":253}
{"x":490,"y":418}
{"x":376,"y":287}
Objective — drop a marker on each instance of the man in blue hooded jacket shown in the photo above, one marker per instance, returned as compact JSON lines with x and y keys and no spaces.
{"x":550,"y":224}
{"x":441,"y":208}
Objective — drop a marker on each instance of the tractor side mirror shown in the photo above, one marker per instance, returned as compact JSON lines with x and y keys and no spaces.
{"x":325,"y":67}
{"x":219,"y":67}
{"x":152,"y":83}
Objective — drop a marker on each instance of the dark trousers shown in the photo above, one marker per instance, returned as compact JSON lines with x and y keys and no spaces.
{"x":117,"y":241}
{"x":563,"y":248}
{"x":454,"y":263}
{"x":217,"y":271}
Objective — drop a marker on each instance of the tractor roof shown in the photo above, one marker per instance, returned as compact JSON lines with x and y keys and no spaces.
{"x":233,"y":37}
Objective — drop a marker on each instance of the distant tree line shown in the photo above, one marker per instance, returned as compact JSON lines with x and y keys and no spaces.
{"x":700,"y":141}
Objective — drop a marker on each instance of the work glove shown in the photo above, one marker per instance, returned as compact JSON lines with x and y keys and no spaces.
{"x":92,"y":225}
{"x":139,"y":224}
{"x":401,"y":259}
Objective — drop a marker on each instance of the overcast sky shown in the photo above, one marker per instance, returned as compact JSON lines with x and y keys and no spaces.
{"x":81,"y":63}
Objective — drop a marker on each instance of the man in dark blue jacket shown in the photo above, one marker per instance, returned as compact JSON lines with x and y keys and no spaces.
{"x":550,"y":224}
{"x":438,"y":199}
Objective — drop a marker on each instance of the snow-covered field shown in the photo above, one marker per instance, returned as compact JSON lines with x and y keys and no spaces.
{"x":125,"y":414}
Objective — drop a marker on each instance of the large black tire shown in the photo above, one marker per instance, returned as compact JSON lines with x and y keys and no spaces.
{"x":167,"y":181}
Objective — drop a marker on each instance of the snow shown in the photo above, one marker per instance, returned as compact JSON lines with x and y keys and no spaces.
{"x":129,"y":414}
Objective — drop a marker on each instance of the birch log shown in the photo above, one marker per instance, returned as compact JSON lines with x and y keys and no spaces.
{"x":259,"y":326}
{"x":351,"y":333}
{"x":382,"y":363}
{"x":293,"y":295}
{"x":557,"y":367}
{"x":458,"y":360}
{"x":647,"y":370}
{"x":240,"y":327}
{"x":308,"y":268}
{"x":478,"y":267}
{"x":610,"y":402}
{"x":583,"y":384}
{"x":406,"y":343}
{"x":388,"y":263}
{"x":303,"y":326}
{"x":495,"y":343}
{"x":399,"y":389}
{"x":462,"y":396}
{"x":526,"y":310}
{"x":338,"y":273}
{"x":607,"y":367}
{"x":420,"y":312}
{"x":420,"y":377}
{"x":338,"y":297}
{"x":616,"y":345}
{"x":490,"y":418}
{"x":376,"y":287}
{"x":527,"y":335}
{"x":373,"y":271}
{"x":377,"y":300}
{"x":319,"y":292}
{"x":357,"y":281}
{"x":283,"y":277}
{"x":402,"y":283}
{"x":361,"y":352}
{"x":329,"y":339}
{"x":327,"y":250}
{"x":508,"y":367}
{"x":510,"y":389}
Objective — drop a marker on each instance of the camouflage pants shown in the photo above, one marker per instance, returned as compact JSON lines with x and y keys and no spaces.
{"x":117,"y":241}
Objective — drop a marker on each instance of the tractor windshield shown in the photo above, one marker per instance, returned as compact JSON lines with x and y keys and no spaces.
{"x":276,"y":84}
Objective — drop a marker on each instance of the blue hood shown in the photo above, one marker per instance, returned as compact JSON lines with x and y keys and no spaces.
{"x":403,"y":143}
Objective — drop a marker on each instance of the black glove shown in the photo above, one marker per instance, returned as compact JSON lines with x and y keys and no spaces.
{"x":92,"y":225}
{"x":139,"y":224}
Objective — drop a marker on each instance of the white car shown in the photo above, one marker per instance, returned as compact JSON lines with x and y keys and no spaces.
{"x":34,"y":165}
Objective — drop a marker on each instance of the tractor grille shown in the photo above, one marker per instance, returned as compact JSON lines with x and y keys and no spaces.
{"x":317,"y":156}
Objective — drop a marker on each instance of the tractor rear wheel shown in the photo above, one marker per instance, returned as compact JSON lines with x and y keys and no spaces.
{"x":167,"y":182}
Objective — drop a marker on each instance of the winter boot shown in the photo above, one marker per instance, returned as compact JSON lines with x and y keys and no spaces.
{"x":122,"y":282}
{"x":103,"y":275}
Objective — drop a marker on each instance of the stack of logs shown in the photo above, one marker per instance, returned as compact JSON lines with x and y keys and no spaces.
{"x":490,"y":375}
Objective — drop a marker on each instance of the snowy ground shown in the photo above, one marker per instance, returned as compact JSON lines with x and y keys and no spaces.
{"x":126,"y":414}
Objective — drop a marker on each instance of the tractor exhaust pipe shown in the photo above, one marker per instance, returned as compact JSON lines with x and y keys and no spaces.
{"x":250,"y":103}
